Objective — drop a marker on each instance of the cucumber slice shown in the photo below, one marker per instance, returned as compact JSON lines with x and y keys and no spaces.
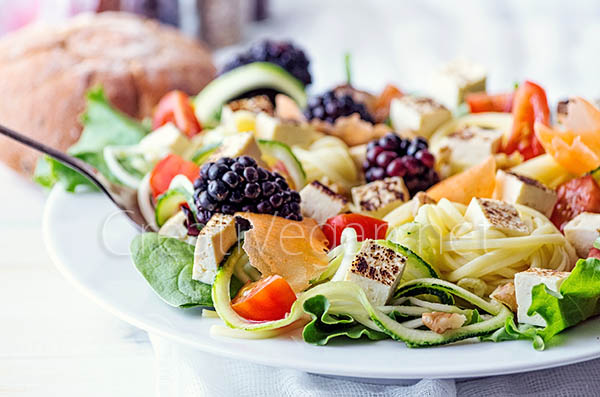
{"x":282,"y":152}
{"x":415,"y":266}
{"x":210,"y":100}
{"x":204,"y":152}
{"x":180,"y":191}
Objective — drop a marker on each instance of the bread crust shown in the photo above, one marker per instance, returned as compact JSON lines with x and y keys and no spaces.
{"x":45,"y":72}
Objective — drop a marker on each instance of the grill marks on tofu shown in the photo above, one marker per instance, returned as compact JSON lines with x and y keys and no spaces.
{"x":321,"y":203}
{"x":380,"y":197}
{"x":378,"y":263}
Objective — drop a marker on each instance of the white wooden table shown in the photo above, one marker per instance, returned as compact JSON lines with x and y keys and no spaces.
{"x":54,"y":341}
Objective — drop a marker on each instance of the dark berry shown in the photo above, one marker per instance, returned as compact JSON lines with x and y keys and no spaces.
{"x":268,"y":188}
{"x":216,"y":171}
{"x":264,"y":207}
{"x":204,"y":170}
{"x":263,"y":175}
{"x":396,"y":168}
{"x":205,"y":201}
{"x":236,"y":197}
{"x":284,"y":54}
{"x":282,"y":183}
{"x":276,"y":200}
{"x":373,"y":153}
{"x":251,"y":174}
{"x":426,"y":158}
{"x":384,"y":158}
{"x":231,"y":179}
{"x":252,"y":190}
{"x":331,"y":105}
{"x":217,"y":190}
{"x":247,"y":161}
{"x":237,"y":168}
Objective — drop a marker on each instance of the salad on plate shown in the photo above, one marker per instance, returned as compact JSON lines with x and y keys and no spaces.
{"x":457,"y":214}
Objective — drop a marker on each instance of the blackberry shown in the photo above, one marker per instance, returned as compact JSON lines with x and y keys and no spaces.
{"x":231,"y":185}
{"x":332,"y":105}
{"x":409,"y":159}
{"x":282,"y":53}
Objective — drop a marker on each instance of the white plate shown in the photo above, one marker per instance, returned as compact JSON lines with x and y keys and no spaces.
{"x":88,"y":241}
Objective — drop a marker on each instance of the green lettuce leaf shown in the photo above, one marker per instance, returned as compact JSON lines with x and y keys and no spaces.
{"x":166,"y":263}
{"x":325,"y":326}
{"x":577,"y":300}
{"x":103,"y":126}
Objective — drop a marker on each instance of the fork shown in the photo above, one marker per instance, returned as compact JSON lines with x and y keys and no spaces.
{"x":125,"y":198}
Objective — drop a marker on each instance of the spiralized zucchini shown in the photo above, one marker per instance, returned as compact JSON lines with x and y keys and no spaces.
{"x":460,"y":249}
{"x":329,"y":158}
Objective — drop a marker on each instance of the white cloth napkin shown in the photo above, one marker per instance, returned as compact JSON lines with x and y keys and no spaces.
{"x":182,"y":371}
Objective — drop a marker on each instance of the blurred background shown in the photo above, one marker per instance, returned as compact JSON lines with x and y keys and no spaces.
{"x":54,"y":341}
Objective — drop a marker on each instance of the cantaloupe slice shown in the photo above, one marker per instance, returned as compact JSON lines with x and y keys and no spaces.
{"x":477,"y":181}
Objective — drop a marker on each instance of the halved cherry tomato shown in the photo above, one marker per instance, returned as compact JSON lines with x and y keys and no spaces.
{"x":529,"y":106}
{"x":574,"y":197}
{"x":175,"y":107}
{"x":167,"y":168}
{"x":480,"y":102}
{"x":594,"y":253}
{"x":366,"y":227}
{"x":264,"y":300}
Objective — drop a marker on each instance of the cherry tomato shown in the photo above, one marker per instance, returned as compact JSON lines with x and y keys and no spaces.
{"x":529,"y":106}
{"x":268,"y":299}
{"x":366,"y":227}
{"x":175,"y":107}
{"x":594,"y":253}
{"x":574,"y":197}
{"x":166,"y":169}
{"x":480,"y":102}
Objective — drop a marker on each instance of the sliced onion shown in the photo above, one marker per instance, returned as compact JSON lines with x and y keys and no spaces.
{"x":110,"y":156}
{"x":145,"y":202}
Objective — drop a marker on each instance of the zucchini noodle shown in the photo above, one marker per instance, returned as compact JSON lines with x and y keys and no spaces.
{"x":461,"y":249}
{"x":328,"y":159}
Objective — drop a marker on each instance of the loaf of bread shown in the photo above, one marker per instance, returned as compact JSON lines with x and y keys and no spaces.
{"x":45,"y":72}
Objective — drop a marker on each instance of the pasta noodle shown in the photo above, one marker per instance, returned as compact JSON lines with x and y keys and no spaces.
{"x":328,"y":159}
{"x":441,"y":234}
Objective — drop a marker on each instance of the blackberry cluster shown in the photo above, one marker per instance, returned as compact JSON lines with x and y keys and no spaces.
{"x":231,"y":185}
{"x":331,"y":105}
{"x":409,"y":159}
{"x":282,"y":53}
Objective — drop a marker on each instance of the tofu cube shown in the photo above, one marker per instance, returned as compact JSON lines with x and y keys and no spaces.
{"x":470,"y":146}
{"x":164,"y":140}
{"x":242,"y":144}
{"x":519,"y":189}
{"x":213,"y":243}
{"x":419,"y":114}
{"x":290,"y":132}
{"x":380,"y":197}
{"x":525,"y":281}
{"x":582,"y":231}
{"x":175,"y":227}
{"x":454,"y":80}
{"x":321,"y":203}
{"x":377,"y":270}
{"x":496,"y":214}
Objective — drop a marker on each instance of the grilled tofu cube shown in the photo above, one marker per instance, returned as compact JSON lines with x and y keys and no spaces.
{"x":496,"y":214}
{"x":519,"y":189}
{"x":290,"y":132}
{"x":377,"y":270}
{"x":380,"y":197}
{"x":470,"y":146}
{"x":162,"y":141}
{"x":582,"y":231}
{"x":214,"y":241}
{"x":175,"y":227}
{"x":453,"y":81}
{"x":321,"y":203}
{"x":420,"y":115}
{"x":242,"y":144}
{"x":525,"y":281}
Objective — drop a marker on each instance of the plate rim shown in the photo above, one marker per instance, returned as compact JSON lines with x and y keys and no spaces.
{"x":321,"y":368}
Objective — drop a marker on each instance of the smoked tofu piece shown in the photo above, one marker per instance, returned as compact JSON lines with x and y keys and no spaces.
{"x":454,"y":80}
{"x":419,"y":114}
{"x":582,"y":231}
{"x":470,"y":146}
{"x":162,"y":141}
{"x":321,"y":203}
{"x":519,"y":189}
{"x":496,"y":214}
{"x":377,"y":270}
{"x":242,"y":144}
{"x":213,"y":243}
{"x":380,"y":197}
{"x":290,"y":132}
{"x":525,"y":281}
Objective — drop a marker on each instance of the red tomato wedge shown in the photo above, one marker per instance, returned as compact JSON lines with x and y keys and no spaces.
{"x":574,"y":197}
{"x":175,"y":107}
{"x":268,"y":299}
{"x":530,"y":105}
{"x":480,"y":102}
{"x":594,"y":253}
{"x":577,"y":148}
{"x":366,"y":228}
{"x":166,"y":169}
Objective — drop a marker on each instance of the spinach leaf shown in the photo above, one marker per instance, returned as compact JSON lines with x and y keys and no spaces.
{"x":326,"y":326}
{"x":166,"y":263}
{"x":103,"y":126}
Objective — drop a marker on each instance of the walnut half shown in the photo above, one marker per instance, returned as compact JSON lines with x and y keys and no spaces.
{"x":506,"y":294}
{"x":440,"y":322}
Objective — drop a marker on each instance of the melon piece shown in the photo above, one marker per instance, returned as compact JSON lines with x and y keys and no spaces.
{"x":478,"y":181}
